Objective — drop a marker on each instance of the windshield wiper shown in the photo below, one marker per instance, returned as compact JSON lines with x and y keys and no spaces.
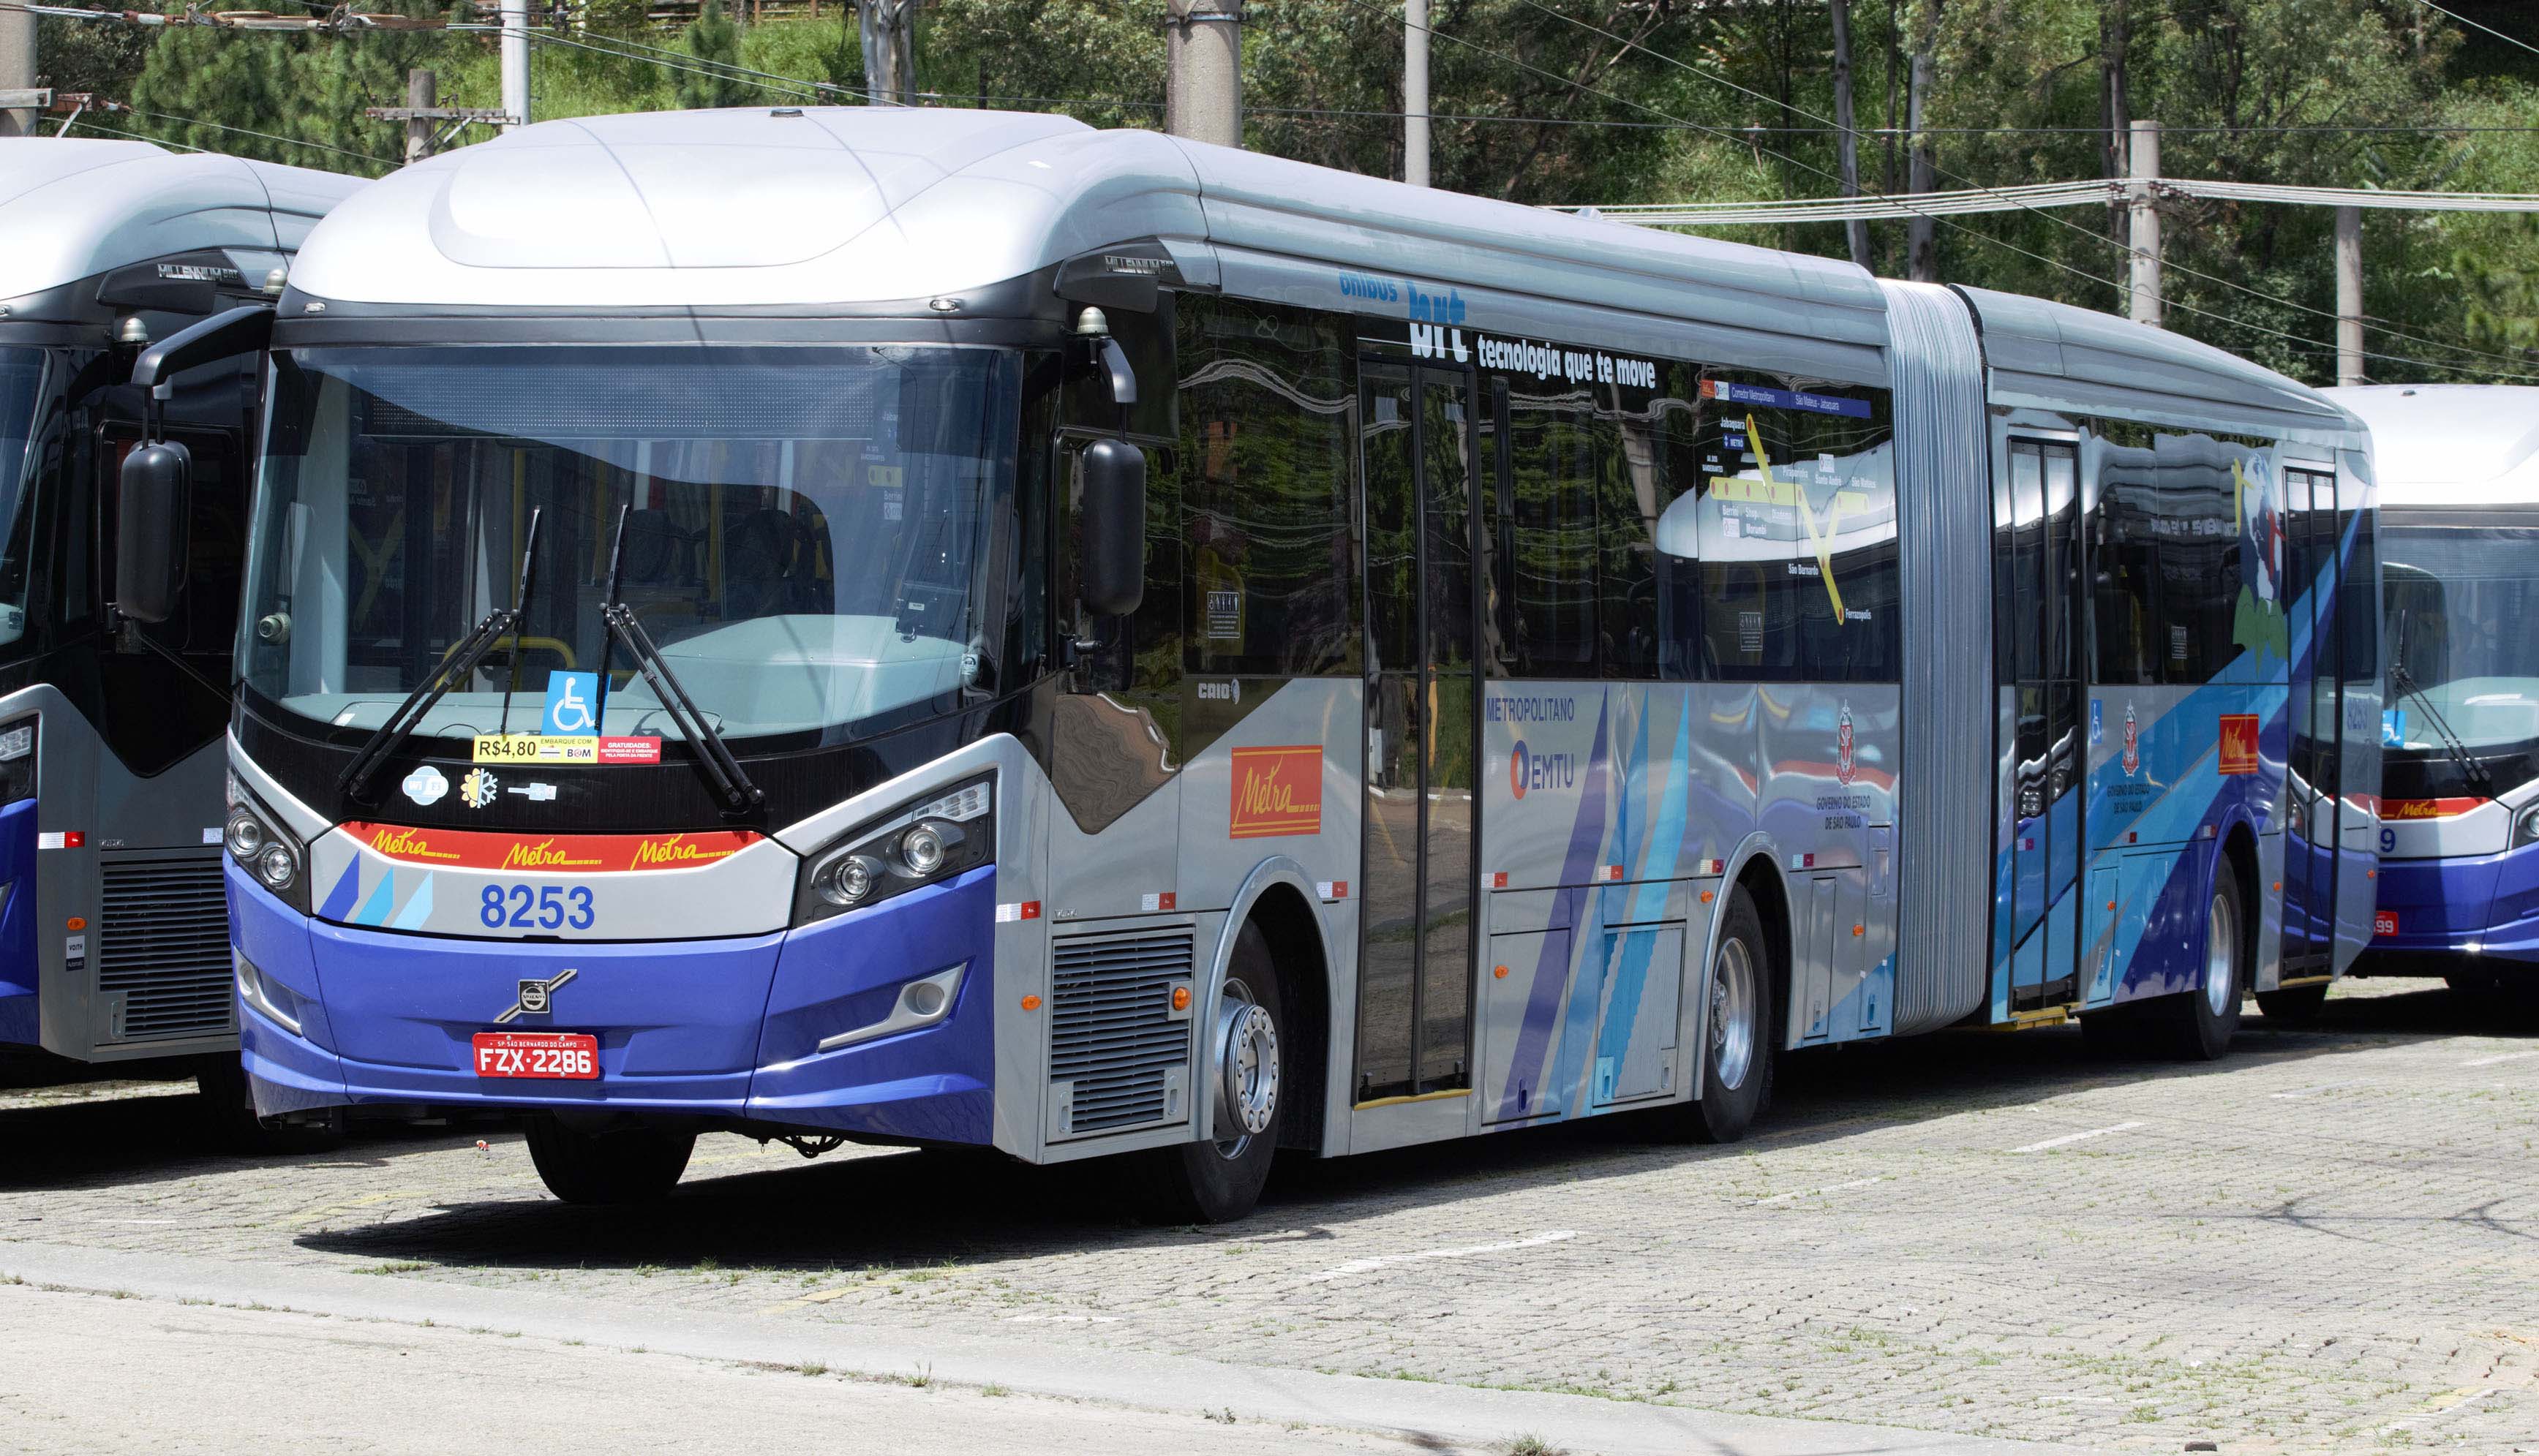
{"x":452,"y":671}
{"x":2405,"y":682}
{"x":714,"y":755}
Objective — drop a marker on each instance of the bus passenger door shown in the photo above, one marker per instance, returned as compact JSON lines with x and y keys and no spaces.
{"x":2311,"y":781}
{"x":1416,"y":965}
{"x":2047,"y":846}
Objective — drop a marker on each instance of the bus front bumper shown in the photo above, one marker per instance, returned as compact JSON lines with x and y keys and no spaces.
{"x":721,"y":1030}
{"x":2485,"y":906}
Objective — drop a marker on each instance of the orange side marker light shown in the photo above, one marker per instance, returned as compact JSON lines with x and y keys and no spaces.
{"x":1181,"y":998}
{"x":79,"y":922}
{"x":1499,"y":972}
{"x":1031,"y":1003}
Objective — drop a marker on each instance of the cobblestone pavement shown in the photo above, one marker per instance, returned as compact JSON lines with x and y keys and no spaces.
{"x":2328,"y":1241}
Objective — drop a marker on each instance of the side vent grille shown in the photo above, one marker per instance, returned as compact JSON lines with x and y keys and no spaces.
{"x":1119,"y":1051}
{"x":162,"y":947}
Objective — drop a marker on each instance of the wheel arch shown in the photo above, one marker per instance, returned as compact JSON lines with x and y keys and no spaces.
{"x":1286,"y":906}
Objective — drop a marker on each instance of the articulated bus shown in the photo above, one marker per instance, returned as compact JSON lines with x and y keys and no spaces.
{"x":2459,"y":541}
{"x":952,"y":628}
{"x":114,"y":936}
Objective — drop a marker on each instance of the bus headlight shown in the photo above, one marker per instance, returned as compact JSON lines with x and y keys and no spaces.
{"x":18,"y":762}
{"x":921,"y":842}
{"x":2525,"y":825}
{"x":253,"y":838}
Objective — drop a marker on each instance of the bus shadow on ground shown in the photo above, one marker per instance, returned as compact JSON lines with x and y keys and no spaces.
{"x":148,"y":1136}
{"x":900,"y":1209}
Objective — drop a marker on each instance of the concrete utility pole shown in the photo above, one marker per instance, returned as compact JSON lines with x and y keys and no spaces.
{"x":1847,"y":137}
{"x":1921,"y":236}
{"x":1414,"y":92}
{"x":1204,"y":70}
{"x":516,"y":63}
{"x":18,"y":73}
{"x":2349,"y":296}
{"x":2141,"y":223}
{"x":422,"y":93}
{"x":890,"y":50}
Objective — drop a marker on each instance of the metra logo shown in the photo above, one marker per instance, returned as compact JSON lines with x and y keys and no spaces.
{"x":675,"y":850}
{"x":543,"y":855}
{"x":1372,"y":289}
{"x":1277,"y":791}
{"x":1527,"y":771}
{"x":407,"y":844}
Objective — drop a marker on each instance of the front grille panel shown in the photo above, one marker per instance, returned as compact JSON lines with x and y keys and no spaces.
{"x":164,"y":945}
{"x":1115,"y":1038}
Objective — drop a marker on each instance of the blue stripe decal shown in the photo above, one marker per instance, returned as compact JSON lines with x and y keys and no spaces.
{"x":1649,"y":897}
{"x":375,"y":911}
{"x":418,"y":907}
{"x":1542,"y":999}
{"x":339,"y":900}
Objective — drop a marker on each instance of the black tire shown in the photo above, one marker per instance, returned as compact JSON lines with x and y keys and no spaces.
{"x":626,"y":1165}
{"x":1740,"y":991}
{"x":229,"y":1113}
{"x":1220,"y":1181}
{"x":2293,"y":1006}
{"x":2200,"y":1030}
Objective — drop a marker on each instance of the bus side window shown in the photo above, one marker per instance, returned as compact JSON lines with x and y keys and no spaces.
{"x":1553,"y":486}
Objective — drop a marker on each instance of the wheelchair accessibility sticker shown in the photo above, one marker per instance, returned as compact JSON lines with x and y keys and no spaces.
{"x":572,"y":700}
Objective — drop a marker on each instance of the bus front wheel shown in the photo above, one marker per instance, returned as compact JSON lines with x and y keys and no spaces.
{"x":2205,"y":1019}
{"x":1218,"y":1181}
{"x":629,"y":1164}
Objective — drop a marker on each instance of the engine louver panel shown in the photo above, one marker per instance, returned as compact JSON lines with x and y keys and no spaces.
{"x":1118,"y":1051}
{"x":164,"y":945}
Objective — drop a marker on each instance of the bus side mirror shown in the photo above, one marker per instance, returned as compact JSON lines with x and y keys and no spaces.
{"x":1113,"y":514}
{"x":151,"y":522}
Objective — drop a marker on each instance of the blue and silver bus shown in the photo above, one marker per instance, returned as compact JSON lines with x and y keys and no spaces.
{"x":113,"y":939}
{"x":2459,"y":532}
{"x":951,"y":627}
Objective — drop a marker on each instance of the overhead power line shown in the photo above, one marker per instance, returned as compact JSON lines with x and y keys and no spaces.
{"x":2031,"y":195}
{"x":2454,"y":15}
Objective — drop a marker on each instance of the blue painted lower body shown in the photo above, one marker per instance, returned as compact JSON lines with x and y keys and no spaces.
{"x":2485,"y":905}
{"x":20,"y":983}
{"x":719,"y":1028}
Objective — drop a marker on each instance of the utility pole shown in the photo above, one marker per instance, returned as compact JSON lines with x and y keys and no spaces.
{"x":1847,"y":136}
{"x":1414,"y":92}
{"x":516,"y":63}
{"x":890,"y":50}
{"x":2349,"y":296}
{"x":1921,"y":236}
{"x":2141,"y":228}
{"x":422,"y":93}
{"x":17,"y":73}
{"x":1204,"y":70}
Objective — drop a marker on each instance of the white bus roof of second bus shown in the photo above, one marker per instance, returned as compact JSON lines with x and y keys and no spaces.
{"x":71,"y":209}
{"x":2450,"y":444}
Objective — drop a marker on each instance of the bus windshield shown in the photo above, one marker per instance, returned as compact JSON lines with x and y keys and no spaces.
{"x":807,"y":529}
{"x":2461,"y":590}
{"x":21,"y":382}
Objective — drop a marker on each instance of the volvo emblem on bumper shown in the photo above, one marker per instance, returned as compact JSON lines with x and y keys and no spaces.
{"x":537,"y":997}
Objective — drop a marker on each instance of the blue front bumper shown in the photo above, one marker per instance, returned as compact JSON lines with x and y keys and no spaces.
{"x":726,"y":1028}
{"x":2485,"y":906}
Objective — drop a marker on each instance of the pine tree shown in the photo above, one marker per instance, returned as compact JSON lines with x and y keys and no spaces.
{"x":713,"y":41}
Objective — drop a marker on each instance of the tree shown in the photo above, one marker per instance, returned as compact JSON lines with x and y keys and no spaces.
{"x":712,"y":44}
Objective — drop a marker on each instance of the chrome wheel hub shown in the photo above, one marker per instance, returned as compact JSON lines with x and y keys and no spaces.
{"x":1247,"y":1069}
{"x":1732,"y":1014}
{"x":2220,"y":955}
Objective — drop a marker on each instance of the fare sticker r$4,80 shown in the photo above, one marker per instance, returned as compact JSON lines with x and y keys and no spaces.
{"x":536,"y":747}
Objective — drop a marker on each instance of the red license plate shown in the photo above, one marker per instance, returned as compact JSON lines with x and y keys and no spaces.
{"x":554,"y":1055}
{"x":2384,"y":922}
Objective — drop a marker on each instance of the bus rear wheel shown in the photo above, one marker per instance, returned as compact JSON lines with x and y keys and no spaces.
{"x":626,"y":1165}
{"x":2203,"y":1021}
{"x":1219,"y":1181}
{"x":1738,"y":991}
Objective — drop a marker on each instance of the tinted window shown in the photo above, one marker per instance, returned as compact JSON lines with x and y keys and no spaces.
{"x":1554,"y":467}
{"x":1268,"y":416}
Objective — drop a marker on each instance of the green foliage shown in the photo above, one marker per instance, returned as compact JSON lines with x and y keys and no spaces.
{"x":712,"y":42}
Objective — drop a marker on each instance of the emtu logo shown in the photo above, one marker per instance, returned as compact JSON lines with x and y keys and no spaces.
{"x":1516,"y":770}
{"x":1527,"y":771}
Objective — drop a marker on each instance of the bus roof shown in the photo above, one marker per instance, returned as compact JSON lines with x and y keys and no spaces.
{"x":73,"y":209}
{"x":2437,"y":444}
{"x":764,"y":208}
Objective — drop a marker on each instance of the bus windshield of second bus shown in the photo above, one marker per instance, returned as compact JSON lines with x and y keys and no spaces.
{"x":21,"y":379}
{"x":2461,"y":591}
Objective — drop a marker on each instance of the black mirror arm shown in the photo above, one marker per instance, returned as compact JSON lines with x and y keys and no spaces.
{"x":242,"y":330}
{"x":1124,"y":380}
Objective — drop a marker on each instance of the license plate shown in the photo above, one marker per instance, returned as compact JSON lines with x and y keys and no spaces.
{"x":553,"y":1055}
{"x":2384,"y":922}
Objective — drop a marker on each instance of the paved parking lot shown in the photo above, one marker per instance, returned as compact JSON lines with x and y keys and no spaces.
{"x":2329,"y":1241}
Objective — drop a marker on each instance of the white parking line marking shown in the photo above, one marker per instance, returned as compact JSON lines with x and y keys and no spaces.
{"x":1816,"y":1192}
{"x":2095,"y":1132}
{"x":1063,"y":1319}
{"x":1362,"y":1266}
{"x":2511,"y":1056}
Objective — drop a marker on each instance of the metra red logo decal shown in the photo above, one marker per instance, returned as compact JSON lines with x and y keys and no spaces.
{"x":564,"y":853}
{"x":1277,"y":791}
{"x":2426,"y":808}
{"x":2239,"y":743}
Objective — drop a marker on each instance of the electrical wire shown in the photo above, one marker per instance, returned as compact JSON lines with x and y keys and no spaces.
{"x":1717,"y":80}
{"x":2473,"y":24}
{"x":2296,"y":339}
